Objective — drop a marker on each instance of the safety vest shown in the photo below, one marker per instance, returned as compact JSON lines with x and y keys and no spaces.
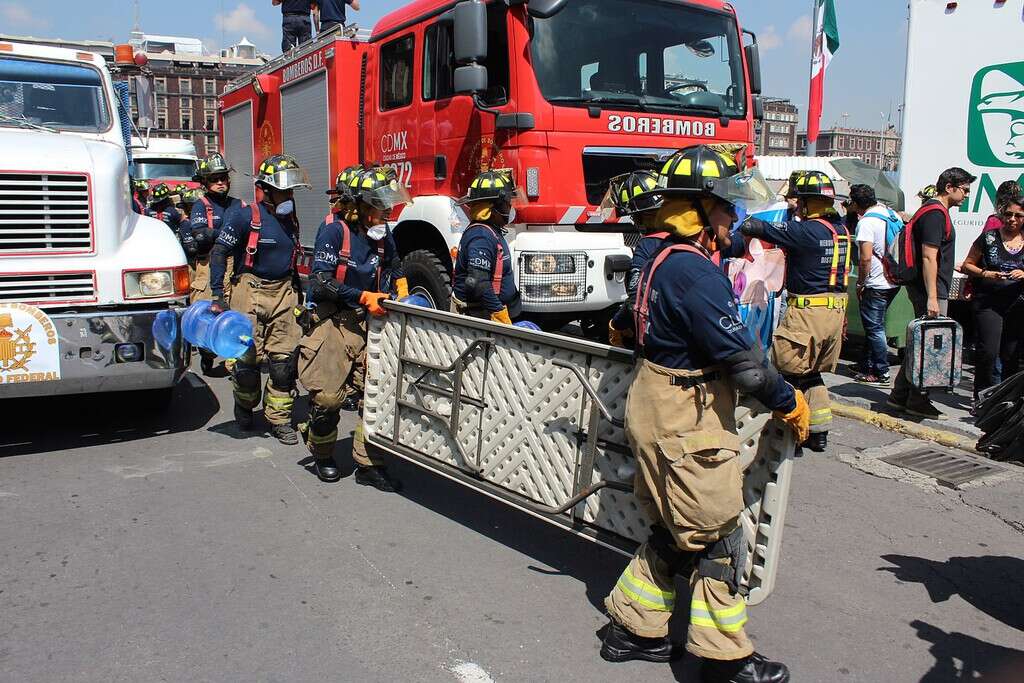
{"x":641,"y":307}
{"x":833,"y":276}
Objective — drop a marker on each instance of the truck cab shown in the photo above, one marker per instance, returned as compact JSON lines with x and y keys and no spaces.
{"x":164,"y":160}
{"x":83,"y":278}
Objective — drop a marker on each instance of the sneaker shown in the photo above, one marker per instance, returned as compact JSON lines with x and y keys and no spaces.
{"x":922,"y":407}
{"x":872,"y":379}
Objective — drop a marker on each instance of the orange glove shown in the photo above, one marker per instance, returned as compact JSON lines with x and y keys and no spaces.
{"x":502,"y":317}
{"x":372,"y":302}
{"x":799,"y":419}
{"x":402,"y":287}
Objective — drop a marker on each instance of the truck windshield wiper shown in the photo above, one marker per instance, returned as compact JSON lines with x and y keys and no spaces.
{"x":700,"y":108}
{"x":25,"y":123}
{"x":623,"y":98}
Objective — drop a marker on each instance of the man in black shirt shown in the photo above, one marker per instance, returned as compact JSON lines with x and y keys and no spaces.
{"x":332,"y":13}
{"x":935,"y":244}
{"x":296,"y":26}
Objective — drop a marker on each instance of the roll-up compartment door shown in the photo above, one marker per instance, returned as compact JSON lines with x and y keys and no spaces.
{"x":238,"y":149}
{"x":304,"y":132}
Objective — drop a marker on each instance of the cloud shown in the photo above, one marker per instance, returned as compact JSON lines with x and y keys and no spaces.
{"x":242,"y":19}
{"x":769,"y":38}
{"x":801,"y":29}
{"x":19,"y":15}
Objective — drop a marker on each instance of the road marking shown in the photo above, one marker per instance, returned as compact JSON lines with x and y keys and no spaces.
{"x":468,"y":672}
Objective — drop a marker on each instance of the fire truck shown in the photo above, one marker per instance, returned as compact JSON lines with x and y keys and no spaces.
{"x":565,"y":93}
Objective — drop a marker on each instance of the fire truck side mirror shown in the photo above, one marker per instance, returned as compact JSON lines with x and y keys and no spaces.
{"x":470,"y":32}
{"x":544,"y":9}
{"x":754,"y":67}
{"x":470,"y":79}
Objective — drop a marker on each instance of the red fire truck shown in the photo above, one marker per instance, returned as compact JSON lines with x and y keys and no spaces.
{"x":566,"y":93}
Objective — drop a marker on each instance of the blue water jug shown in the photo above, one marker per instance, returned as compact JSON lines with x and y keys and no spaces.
{"x":416,"y":300}
{"x":165,"y":329}
{"x":228,"y":335}
{"x":528,"y":325}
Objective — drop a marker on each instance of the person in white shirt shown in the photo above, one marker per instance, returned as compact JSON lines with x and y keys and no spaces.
{"x":874,"y":291}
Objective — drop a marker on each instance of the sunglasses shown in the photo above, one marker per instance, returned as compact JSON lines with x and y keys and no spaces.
{"x":1013,"y":214}
{"x":219,"y":179}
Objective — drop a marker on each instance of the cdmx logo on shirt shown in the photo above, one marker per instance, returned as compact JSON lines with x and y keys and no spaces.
{"x":995,"y":124}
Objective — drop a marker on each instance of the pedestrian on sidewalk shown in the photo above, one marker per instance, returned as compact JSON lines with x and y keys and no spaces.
{"x":1011,"y":189}
{"x":296,"y":25}
{"x":996,"y":264}
{"x":874,"y":291}
{"x":935,"y":249}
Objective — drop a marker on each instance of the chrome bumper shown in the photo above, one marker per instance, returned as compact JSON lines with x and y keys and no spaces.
{"x":88,"y":363}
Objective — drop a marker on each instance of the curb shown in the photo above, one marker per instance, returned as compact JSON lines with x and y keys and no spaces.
{"x":894,"y":424}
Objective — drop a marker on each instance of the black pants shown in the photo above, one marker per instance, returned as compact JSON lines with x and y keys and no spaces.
{"x":999,"y":332}
{"x":296,"y":30}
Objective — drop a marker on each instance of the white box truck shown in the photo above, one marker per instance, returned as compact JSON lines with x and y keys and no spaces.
{"x":83,"y":278}
{"x":964,"y":105}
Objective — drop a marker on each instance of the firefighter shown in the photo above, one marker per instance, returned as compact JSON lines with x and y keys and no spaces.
{"x":265,"y":287}
{"x":818,"y":251}
{"x":349,"y":267}
{"x":140,"y":195}
{"x":162,"y":208}
{"x":178,"y":196}
{"x":630,"y":195}
{"x":484,"y":285}
{"x":200,"y":233}
{"x":680,"y":420}
{"x":343,"y":206}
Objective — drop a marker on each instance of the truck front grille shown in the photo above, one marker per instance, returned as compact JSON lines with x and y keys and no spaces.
{"x":44,"y":289}
{"x":48,"y":213}
{"x":566,"y":284}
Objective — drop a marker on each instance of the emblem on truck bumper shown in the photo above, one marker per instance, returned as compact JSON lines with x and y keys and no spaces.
{"x":29,"y":351}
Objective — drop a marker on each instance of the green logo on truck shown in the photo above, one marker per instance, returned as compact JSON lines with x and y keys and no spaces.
{"x":995,"y":124}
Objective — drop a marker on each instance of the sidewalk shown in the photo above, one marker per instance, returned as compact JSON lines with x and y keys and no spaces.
{"x":954,"y":406}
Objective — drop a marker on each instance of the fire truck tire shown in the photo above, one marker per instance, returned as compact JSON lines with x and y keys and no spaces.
{"x":428,"y":276}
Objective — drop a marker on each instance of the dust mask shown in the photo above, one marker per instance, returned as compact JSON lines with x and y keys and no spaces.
{"x":377,"y":232}
{"x":285,"y":208}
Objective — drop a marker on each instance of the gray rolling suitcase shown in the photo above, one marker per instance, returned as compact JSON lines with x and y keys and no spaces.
{"x":934,"y":355}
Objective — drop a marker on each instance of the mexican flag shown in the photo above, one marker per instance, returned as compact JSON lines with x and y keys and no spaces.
{"x":826,"y":44}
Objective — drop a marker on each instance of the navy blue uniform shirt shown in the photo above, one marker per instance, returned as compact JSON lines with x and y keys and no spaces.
{"x":646,"y":249}
{"x":297,"y":7}
{"x":274,"y":252}
{"x":693,"y":322}
{"x":479,"y":249}
{"x":810,"y":248}
{"x":196,"y":236}
{"x":170,"y":216}
{"x":333,"y":10}
{"x":365,"y":263}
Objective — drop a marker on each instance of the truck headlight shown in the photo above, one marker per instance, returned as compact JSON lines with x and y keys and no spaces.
{"x":549,"y":264}
{"x":147,"y":284}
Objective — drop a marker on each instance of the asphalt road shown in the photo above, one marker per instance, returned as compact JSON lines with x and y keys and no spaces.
{"x":142,"y":547}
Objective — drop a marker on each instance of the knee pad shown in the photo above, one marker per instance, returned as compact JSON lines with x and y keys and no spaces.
{"x":328,"y":402}
{"x":664,"y":546}
{"x":323,"y":420}
{"x":732,"y":547}
{"x":246,"y":377}
{"x":282,"y":372}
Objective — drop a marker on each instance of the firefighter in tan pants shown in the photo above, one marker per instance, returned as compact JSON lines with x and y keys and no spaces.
{"x":264,"y":242}
{"x":818,"y":251}
{"x":348,"y":268}
{"x":680,"y":420}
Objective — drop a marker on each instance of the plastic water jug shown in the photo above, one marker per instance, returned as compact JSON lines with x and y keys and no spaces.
{"x":416,"y":300}
{"x":528,"y":325}
{"x":229,"y":334}
{"x":165,"y":329}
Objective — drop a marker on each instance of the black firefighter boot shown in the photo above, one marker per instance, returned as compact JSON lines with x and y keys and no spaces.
{"x":243,"y":418}
{"x":620,"y":645}
{"x":377,"y":477}
{"x":753,"y":669}
{"x":326,"y":470}
{"x":817,"y":442}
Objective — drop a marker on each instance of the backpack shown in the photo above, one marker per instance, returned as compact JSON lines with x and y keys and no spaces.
{"x":893,"y":227}
{"x":900,"y":257}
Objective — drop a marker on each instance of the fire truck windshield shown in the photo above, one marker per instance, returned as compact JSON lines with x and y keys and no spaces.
{"x":648,"y":55}
{"x":52,"y":96}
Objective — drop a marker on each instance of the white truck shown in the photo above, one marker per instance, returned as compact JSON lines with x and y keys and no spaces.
{"x":87,"y":286}
{"x":164,"y":160}
{"x":964,"y":105}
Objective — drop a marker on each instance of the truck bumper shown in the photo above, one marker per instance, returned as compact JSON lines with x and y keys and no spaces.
{"x":89,"y":361}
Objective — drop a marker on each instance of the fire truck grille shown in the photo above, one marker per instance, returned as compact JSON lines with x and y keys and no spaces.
{"x":559,"y":277}
{"x":43,"y":289}
{"x":632,"y":238}
{"x":47,"y":213}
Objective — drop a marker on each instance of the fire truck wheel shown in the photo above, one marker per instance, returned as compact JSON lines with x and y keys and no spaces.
{"x":429,"y":277}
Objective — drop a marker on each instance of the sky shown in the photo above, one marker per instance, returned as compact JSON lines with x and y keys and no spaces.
{"x":864,"y":84}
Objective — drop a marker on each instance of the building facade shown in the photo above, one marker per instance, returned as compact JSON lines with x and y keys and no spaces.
{"x":876,"y":147}
{"x":776,"y":135}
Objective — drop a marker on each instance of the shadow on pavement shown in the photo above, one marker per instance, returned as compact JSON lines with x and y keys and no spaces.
{"x":47,"y":424}
{"x":993,"y":584}
{"x":960,"y":657}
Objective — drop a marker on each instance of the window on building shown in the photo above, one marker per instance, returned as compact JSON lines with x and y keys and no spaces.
{"x":396,"y":60}
{"x":185,"y":86}
{"x":161,"y":101}
{"x":209,"y":86}
{"x":878,"y":145}
{"x":160,"y":84}
{"x":186,"y":103}
{"x":210,"y":103}
{"x":211,"y":144}
{"x":161,"y":120}
{"x":211,"y":122}
{"x":186,"y":121}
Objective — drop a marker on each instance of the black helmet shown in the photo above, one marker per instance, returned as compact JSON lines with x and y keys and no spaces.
{"x":282,"y":172}
{"x":814,"y":185}
{"x":342,"y":190}
{"x":701,"y":170}
{"x":180,"y":189}
{"x":379,"y":187}
{"x":213,"y":164}
{"x":140,"y":185}
{"x":493,"y":186}
{"x":630,"y":193}
{"x":160,"y":193}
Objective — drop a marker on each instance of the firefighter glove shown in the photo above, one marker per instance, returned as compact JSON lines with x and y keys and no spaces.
{"x":372,"y":302}
{"x":799,"y":419}
{"x":617,"y":337}
{"x":501,"y":316}
{"x":402,"y":287}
